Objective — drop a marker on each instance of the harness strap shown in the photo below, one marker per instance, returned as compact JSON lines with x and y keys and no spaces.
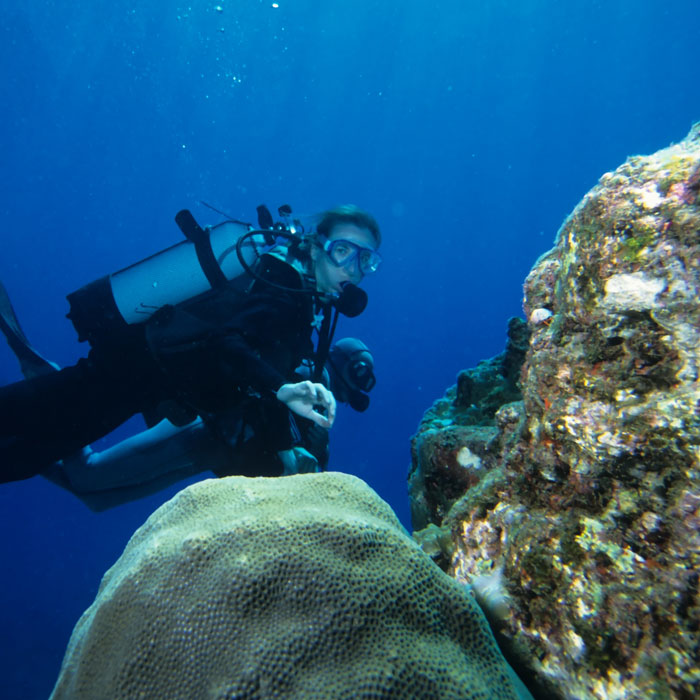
{"x":202,"y":245}
{"x":325,"y":337}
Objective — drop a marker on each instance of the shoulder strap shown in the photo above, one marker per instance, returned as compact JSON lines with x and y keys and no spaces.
{"x":202,"y":245}
{"x":325,"y":338}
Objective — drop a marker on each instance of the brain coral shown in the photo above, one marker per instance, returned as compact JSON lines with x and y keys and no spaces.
{"x":301,"y":587}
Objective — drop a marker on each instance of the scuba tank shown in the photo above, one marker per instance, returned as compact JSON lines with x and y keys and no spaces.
{"x":207,"y":258}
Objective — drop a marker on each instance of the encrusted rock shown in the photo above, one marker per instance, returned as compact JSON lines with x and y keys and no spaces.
{"x":592,"y":505}
{"x":454,"y":446}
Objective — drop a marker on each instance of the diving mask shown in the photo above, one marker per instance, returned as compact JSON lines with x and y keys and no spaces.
{"x":343,"y":253}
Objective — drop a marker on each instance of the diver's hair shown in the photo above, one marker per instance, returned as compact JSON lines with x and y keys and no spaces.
{"x":348,"y":214}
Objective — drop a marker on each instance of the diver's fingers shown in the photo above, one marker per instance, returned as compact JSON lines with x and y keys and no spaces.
{"x":331,"y":409}
{"x":321,"y":394}
{"x":325,"y":398}
{"x":317,"y":418}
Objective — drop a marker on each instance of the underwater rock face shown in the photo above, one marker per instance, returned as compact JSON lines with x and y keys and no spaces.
{"x":591,"y":505}
{"x":454,"y":445}
{"x":298,"y":587}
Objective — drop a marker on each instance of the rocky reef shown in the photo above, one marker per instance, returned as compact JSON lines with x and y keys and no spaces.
{"x":581,"y":496}
{"x":454,"y":446}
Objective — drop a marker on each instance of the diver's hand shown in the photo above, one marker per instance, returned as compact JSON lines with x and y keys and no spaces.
{"x":303,"y":398}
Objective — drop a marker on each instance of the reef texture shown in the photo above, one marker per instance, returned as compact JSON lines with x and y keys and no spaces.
{"x":298,"y":587}
{"x":585,"y":496}
{"x":453,"y":447}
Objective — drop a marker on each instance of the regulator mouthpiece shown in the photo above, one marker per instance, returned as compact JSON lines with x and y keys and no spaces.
{"x":352,"y":300}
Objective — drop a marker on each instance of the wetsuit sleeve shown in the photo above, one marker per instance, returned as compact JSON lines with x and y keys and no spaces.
{"x":243,"y":368}
{"x":265,"y":340}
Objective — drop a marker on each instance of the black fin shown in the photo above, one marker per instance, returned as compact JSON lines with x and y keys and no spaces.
{"x":31,"y":362}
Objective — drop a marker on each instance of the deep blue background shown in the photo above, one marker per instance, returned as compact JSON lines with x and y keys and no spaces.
{"x":470,"y":129}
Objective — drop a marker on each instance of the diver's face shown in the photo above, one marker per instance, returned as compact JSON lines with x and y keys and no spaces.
{"x":330,"y":275}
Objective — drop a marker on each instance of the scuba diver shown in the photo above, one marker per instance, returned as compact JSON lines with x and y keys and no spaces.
{"x":211,"y":340}
{"x":165,"y":454}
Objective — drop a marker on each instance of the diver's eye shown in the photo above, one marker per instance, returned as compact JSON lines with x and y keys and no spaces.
{"x":342,"y":251}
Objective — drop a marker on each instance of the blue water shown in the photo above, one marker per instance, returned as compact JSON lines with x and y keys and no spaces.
{"x":469,"y":129}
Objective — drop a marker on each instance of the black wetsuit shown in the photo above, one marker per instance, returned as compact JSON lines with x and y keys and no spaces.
{"x":221,"y":355}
